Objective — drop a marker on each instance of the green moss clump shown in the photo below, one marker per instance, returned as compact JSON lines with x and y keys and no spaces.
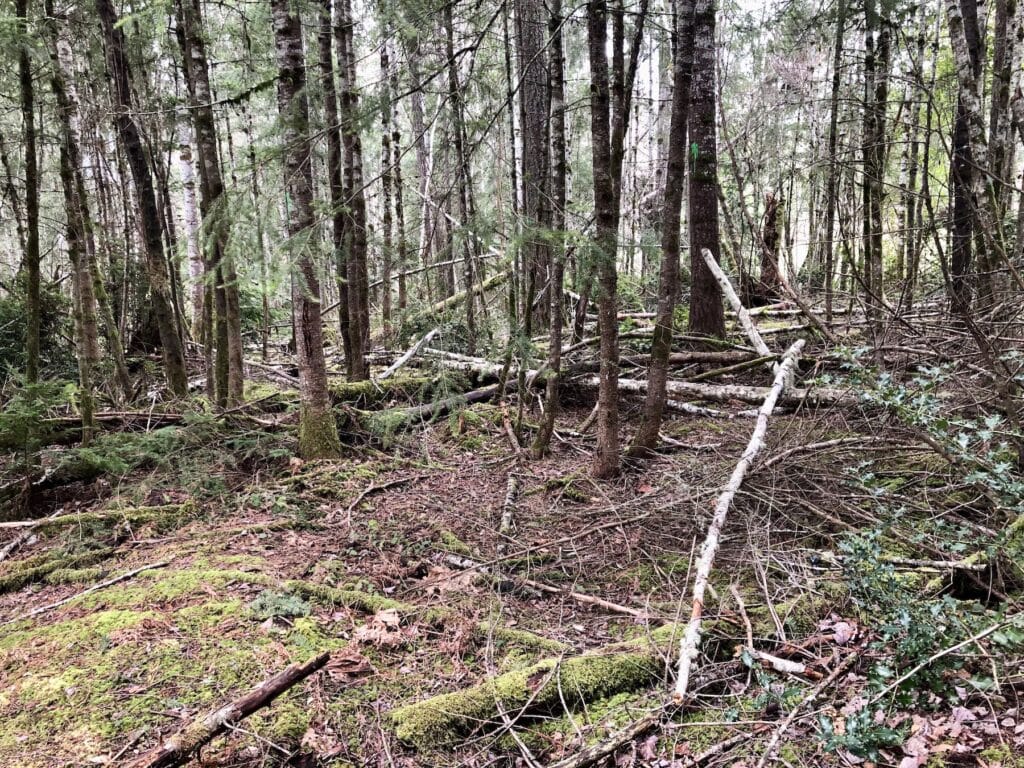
{"x":452,"y":543}
{"x":541,"y":688}
{"x":74,"y":575}
{"x":318,"y":434}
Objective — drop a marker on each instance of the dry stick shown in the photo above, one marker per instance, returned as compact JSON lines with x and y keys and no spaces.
{"x":688,"y":647}
{"x":377,"y":487}
{"x":468,"y":564}
{"x":741,"y":312}
{"x":409,"y":354}
{"x":22,"y":538}
{"x":179,"y":748}
{"x":90,"y":590}
{"x":773,"y":742}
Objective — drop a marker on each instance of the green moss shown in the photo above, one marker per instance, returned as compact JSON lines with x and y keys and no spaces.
{"x":544,"y":687}
{"x":452,"y":543}
{"x":16,"y":578}
{"x":74,"y":575}
{"x":508,"y":637}
{"x":1001,"y":755}
{"x":318,"y":434}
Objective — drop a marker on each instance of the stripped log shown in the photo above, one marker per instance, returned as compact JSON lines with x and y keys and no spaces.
{"x":741,"y":312}
{"x":409,"y":354}
{"x":724,"y":393}
{"x":179,"y":748}
{"x":688,"y":647}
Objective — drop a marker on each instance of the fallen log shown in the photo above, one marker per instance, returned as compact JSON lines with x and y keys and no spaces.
{"x":689,"y":645}
{"x":549,"y":686}
{"x":453,"y":301}
{"x":179,"y":748}
{"x":409,"y":354}
{"x":741,"y":312}
{"x":132,"y":515}
{"x":724,"y":393}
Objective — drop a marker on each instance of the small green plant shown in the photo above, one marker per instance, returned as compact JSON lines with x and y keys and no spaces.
{"x":862,"y":735}
{"x":273,"y":605}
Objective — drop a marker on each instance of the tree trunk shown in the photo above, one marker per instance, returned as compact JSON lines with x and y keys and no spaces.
{"x":606,"y":456}
{"x":335,"y":183}
{"x":318,"y":433}
{"x":28,"y":120}
{"x":646,"y":439}
{"x":196,"y":271}
{"x":533,"y":98}
{"x":558,"y":174}
{"x":386,"y":185}
{"x":131,"y":140}
{"x":229,"y":351}
{"x":707,"y":315}
{"x":355,"y":225}
{"x":968,"y":148}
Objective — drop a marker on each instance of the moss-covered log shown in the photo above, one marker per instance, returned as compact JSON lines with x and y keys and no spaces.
{"x":130,"y":515}
{"x":543,"y":688}
{"x":17,"y":578}
{"x":365,"y":394}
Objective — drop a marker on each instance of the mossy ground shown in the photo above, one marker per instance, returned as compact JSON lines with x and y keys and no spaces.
{"x":275,"y":562}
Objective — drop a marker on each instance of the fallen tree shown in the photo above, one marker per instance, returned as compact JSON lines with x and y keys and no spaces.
{"x":546,"y":687}
{"x":724,"y":393}
{"x":689,"y":645}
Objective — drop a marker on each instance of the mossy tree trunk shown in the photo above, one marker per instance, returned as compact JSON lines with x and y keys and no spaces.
{"x":318,"y":433}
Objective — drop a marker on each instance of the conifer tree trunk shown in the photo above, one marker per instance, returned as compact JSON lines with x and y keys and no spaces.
{"x":28,"y":121}
{"x":318,"y":433}
{"x":606,"y":456}
{"x":229,"y":351}
{"x":196,"y":270}
{"x":386,"y":180}
{"x":533,"y":114}
{"x":558,"y":173}
{"x":707,"y":315}
{"x":463,"y":178}
{"x":355,"y":198}
{"x":131,"y":141}
{"x":969,"y":162}
{"x":646,"y":439}
{"x":335,"y":183}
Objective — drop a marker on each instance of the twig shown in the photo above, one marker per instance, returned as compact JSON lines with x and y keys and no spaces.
{"x":810,"y":698}
{"x":377,"y":487}
{"x":90,"y":590}
{"x":688,"y":648}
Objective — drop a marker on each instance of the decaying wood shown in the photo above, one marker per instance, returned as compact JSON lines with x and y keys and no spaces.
{"x":741,"y":313}
{"x":409,"y":354}
{"x":129,"y":515}
{"x":724,"y":393}
{"x":179,"y":748}
{"x":689,"y":645}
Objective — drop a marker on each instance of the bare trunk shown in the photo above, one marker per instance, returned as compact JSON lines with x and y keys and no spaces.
{"x":318,"y":433}
{"x":646,"y":439}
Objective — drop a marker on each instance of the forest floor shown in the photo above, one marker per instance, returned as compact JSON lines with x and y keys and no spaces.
{"x":255,"y":560}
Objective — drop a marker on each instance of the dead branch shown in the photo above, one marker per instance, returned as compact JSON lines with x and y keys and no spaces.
{"x":89,"y":591}
{"x":741,"y":313}
{"x":409,"y":354}
{"x":688,"y":648}
{"x":179,"y":748}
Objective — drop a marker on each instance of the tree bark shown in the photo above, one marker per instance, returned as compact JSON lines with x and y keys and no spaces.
{"x":131,"y":141}
{"x":707,"y":315}
{"x":318,"y":433}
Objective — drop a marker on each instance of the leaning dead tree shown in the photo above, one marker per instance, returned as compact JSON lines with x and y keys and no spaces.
{"x":688,"y":647}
